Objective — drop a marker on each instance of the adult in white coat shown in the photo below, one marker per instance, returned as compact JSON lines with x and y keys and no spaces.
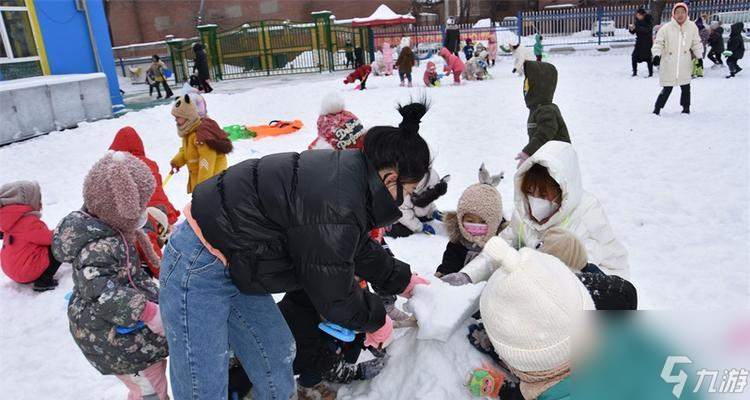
{"x":676,"y":44}
{"x":538,"y":208}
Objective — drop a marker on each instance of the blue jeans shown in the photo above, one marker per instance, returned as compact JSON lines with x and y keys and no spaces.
{"x":204,"y":315}
{"x":402,"y":75}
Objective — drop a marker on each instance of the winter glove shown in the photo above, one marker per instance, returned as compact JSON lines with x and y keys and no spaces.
{"x":175,"y":169}
{"x":346,"y":81}
{"x":427,"y":229}
{"x":437,"y":215}
{"x":429,"y":195}
{"x":370,"y":369}
{"x":657,"y":60}
{"x":414,"y":281}
{"x":397,"y":315}
{"x":456,"y":279}
{"x":521,"y":157}
{"x":514,"y":71}
{"x":479,"y":339}
{"x":410,"y":322}
{"x":382,"y":337}
{"x":152,"y":318}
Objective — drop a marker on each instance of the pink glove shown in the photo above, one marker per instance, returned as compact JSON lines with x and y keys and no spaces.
{"x":152,"y":318}
{"x":414,"y":281}
{"x":521,"y":157}
{"x":382,"y":337}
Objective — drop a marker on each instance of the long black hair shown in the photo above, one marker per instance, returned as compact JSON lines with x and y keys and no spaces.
{"x":401,"y":147}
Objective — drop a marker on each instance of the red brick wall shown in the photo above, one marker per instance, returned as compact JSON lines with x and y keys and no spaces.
{"x":140,"y":21}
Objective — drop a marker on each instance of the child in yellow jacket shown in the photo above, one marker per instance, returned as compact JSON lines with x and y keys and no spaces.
{"x":204,"y":143}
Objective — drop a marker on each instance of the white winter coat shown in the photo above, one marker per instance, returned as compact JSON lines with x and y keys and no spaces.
{"x":520,"y":56}
{"x":677,"y":45}
{"x":409,"y":214}
{"x":580,"y":212}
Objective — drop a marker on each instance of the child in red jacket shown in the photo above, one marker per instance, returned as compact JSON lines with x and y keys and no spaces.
{"x":361,"y":73}
{"x":25,"y":255}
{"x":162,"y":214}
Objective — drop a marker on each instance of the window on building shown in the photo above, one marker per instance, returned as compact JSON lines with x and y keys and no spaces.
{"x":20,"y":35}
{"x":12,"y":3}
{"x":19,"y":57}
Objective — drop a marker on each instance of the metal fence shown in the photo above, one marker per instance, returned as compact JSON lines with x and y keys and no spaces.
{"x":281,"y":47}
{"x":580,"y":27}
{"x":602,"y":25}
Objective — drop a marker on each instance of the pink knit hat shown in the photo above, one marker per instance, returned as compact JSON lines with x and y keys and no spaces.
{"x":338,"y":128}
{"x":116,"y":190}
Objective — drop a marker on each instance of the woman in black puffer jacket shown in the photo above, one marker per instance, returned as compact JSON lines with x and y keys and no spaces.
{"x":282,"y":223}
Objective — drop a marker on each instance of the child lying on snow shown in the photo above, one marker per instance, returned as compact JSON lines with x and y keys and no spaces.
{"x":479,"y":217}
{"x":419,"y":208}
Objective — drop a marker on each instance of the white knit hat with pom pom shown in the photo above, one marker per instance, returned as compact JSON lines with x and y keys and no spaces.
{"x":528,"y":305}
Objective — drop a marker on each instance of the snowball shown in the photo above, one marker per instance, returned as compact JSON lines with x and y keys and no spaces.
{"x":441,"y":308}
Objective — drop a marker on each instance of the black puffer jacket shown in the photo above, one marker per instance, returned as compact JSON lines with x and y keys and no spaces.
{"x":301,"y":221}
{"x":736,"y":44}
{"x":201,"y":61}
{"x":644,"y":39}
{"x":716,"y":40}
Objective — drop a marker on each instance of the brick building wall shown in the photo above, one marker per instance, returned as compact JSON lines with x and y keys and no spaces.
{"x":141,"y":21}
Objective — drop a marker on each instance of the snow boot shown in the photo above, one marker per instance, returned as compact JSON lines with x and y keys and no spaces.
{"x":343,"y":372}
{"x":321,"y":391}
{"x":409,"y":84}
{"x":43,"y":285}
{"x":401,"y":84}
{"x":656,"y":110}
{"x":686,"y":109}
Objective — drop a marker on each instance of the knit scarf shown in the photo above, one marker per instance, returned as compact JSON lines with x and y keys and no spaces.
{"x":534,"y":384}
{"x":187,"y":127}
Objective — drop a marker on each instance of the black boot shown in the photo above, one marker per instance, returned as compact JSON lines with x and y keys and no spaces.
{"x":43,"y":285}
{"x":686,"y":109}
{"x":656,"y":110}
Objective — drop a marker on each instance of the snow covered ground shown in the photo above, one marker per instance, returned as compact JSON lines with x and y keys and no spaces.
{"x":676,"y":189}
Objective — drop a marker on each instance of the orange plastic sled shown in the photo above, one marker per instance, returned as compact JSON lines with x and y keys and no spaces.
{"x":275,"y":128}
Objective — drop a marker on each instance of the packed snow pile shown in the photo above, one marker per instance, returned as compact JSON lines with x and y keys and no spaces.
{"x":441,"y":308}
{"x":421,"y":369}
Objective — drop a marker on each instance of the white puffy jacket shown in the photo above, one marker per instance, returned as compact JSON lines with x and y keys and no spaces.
{"x":677,"y":45}
{"x":409,"y":214}
{"x":580,"y":212}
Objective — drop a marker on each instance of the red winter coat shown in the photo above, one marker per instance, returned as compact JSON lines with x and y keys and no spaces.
{"x":127,"y":139}
{"x":453,"y":63}
{"x":360,"y":73}
{"x":26,"y":241}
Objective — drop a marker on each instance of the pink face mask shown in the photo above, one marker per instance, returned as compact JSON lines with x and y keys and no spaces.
{"x":476,"y":229}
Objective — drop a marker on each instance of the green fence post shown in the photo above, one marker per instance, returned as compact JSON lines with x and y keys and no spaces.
{"x":323,"y":33}
{"x":178,"y":58}
{"x":210,"y":41}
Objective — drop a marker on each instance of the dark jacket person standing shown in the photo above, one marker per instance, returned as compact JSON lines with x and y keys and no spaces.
{"x":200,"y":65}
{"x":644,"y":40}
{"x":282,"y":223}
